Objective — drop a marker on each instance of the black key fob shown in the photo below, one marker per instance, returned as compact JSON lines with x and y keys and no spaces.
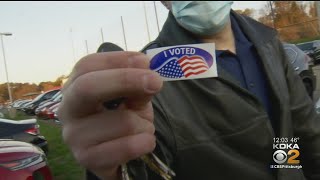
{"x":108,"y":47}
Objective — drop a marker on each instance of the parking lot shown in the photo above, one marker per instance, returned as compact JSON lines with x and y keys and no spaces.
{"x":60,"y":160}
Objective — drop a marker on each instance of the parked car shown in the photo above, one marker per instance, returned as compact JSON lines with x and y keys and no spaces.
{"x":22,"y":161}
{"x":55,"y":115}
{"x":22,"y":103}
{"x":16,"y":103}
{"x":44,"y":106}
{"x":31,"y":107}
{"x":300,"y":62}
{"x":312,"y":49}
{"x":51,"y":99}
{"x":49,"y":112}
{"x":23,"y":107}
{"x":24,"y":130}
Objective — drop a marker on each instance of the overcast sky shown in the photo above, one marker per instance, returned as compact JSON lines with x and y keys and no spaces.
{"x":41,"y":46}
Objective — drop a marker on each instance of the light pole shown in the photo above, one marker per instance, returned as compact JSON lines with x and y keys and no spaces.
{"x":102,"y":37}
{"x":5,"y":62}
{"x":145,"y":15}
{"x":72,"y":45}
{"x":124,"y":34}
{"x":155,"y":11}
{"x":86,"y":43}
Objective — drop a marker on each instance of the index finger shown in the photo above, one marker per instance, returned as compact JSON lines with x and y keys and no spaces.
{"x":108,"y":60}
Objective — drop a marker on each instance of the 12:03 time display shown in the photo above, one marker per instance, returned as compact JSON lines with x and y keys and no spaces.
{"x":285,"y":140}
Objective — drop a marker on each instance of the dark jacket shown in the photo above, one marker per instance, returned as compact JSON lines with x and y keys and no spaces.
{"x":212,"y":129}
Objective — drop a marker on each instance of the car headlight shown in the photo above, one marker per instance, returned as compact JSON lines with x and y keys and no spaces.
{"x":23,"y":163}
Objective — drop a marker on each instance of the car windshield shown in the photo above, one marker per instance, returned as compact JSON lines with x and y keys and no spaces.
{"x":57,"y":98}
{"x":38,"y":97}
{"x":56,"y":95}
{"x":305,"y":46}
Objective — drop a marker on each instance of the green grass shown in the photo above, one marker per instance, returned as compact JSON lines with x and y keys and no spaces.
{"x":61,"y":161}
{"x":19,"y":115}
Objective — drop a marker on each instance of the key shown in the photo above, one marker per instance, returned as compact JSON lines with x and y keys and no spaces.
{"x":156,"y":165}
{"x":124,"y":172}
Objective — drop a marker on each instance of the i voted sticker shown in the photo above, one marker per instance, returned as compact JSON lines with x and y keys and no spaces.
{"x":182,"y":62}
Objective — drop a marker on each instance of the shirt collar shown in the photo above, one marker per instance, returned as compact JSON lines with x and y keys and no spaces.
{"x":238,"y":33}
{"x":240,"y":39}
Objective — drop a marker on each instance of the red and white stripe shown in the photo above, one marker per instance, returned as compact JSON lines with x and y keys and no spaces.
{"x":192,"y":65}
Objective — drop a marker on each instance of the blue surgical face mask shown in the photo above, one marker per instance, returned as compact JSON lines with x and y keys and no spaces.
{"x":202,"y":17}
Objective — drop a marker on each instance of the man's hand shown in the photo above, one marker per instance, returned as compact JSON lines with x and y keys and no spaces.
{"x":102,"y":139}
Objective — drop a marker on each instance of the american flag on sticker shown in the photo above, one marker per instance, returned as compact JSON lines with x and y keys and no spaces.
{"x":183,"y":67}
{"x":184,"y":62}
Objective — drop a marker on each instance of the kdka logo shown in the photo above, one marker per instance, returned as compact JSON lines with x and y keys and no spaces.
{"x":286,"y":153}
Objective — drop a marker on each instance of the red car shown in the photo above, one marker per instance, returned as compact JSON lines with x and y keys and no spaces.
{"x":48,"y":113}
{"x":22,"y":161}
{"x":45,"y":111}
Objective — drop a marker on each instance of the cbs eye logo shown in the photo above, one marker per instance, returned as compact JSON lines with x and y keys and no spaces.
{"x":281,"y":156}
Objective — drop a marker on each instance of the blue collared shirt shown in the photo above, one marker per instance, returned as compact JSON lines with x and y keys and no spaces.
{"x":246,"y":67}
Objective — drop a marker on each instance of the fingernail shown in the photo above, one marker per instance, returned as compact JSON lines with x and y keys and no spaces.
{"x":152,"y":82}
